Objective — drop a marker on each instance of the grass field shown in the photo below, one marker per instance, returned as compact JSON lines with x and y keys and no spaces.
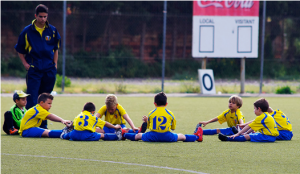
{"x":45,"y":155}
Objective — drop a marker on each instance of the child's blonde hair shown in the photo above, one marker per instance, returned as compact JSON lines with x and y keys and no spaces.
{"x":237,"y":100}
{"x":111,"y":100}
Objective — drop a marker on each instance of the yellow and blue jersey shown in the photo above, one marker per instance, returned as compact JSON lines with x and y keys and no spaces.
{"x":161,"y":120}
{"x":33,"y":118}
{"x":265,"y":124}
{"x":232,"y":119}
{"x":116,"y":117}
{"x":39,"y":46}
{"x":87,"y":121}
{"x":282,"y":121}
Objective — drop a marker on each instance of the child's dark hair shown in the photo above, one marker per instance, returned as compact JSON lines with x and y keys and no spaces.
{"x":41,"y":8}
{"x":44,"y":96}
{"x":89,"y":106}
{"x":262,"y":104}
{"x":160,"y":99}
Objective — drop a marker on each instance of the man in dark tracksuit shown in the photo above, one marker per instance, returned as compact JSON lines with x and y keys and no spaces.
{"x":37,"y":48}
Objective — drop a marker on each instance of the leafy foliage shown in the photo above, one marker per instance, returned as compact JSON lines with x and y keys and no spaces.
{"x":59,"y":79}
{"x":284,"y":90}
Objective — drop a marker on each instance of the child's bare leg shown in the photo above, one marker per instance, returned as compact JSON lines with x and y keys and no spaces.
{"x":138,"y":136}
{"x":247,"y":137}
{"x":98,"y":130}
{"x":181,"y":137}
{"x":218,"y":131}
{"x":46,"y":133}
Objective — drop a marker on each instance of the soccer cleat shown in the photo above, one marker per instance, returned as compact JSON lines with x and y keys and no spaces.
{"x":199,"y":133}
{"x":65,"y":131}
{"x":143,"y":128}
{"x":222,"y":137}
{"x":234,"y":130}
{"x":198,"y":125}
{"x":13,"y":131}
{"x":119,"y":133}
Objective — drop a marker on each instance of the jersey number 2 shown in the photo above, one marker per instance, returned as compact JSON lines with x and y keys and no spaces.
{"x":159,"y":123}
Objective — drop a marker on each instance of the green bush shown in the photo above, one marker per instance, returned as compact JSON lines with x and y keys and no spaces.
{"x":59,"y":81}
{"x":284,"y":90}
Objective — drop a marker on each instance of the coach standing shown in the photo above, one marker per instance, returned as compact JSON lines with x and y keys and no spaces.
{"x":37,"y":48}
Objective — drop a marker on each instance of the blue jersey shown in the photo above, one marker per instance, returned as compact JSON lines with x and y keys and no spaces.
{"x":39,"y":50}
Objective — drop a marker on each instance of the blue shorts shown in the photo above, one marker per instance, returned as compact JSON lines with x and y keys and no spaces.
{"x":33,"y":132}
{"x":284,"y":135}
{"x":258,"y":137}
{"x":84,"y":136}
{"x":112,"y":130}
{"x":159,"y":137}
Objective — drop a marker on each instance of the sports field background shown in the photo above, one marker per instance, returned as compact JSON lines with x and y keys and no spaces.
{"x":45,"y":155}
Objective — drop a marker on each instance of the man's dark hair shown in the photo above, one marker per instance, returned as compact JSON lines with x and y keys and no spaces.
{"x":160,"y":99}
{"x":41,"y":8}
{"x":89,"y":106}
{"x":44,"y":96}
{"x":262,"y":104}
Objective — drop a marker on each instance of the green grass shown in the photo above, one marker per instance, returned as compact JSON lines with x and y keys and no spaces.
{"x":209,"y":156}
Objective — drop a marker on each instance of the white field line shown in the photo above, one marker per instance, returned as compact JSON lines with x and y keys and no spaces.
{"x":103,"y":161}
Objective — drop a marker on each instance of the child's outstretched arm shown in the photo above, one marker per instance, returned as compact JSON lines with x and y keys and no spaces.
{"x":245,"y":124}
{"x":56,"y":118}
{"x":97,"y":115}
{"x":129,"y":121}
{"x":204,"y":123}
{"x":245,"y":129}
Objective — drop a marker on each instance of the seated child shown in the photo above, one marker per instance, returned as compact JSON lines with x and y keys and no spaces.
{"x":264,"y":123}
{"x":13,"y":117}
{"x":283,"y":123}
{"x":34,"y":116}
{"x":232,"y":116}
{"x":115,"y":114}
{"x":85,"y":127}
{"x":161,"y":121}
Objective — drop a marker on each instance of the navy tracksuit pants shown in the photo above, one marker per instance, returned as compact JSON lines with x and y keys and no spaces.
{"x":39,"y":82}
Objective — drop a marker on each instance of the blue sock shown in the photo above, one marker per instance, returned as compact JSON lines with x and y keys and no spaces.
{"x":55,"y":133}
{"x":226,"y":131}
{"x":209,"y":131}
{"x":110,"y":137}
{"x":239,"y":138}
{"x":190,"y":138}
{"x":131,"y":131}
{"x":130,"y":136}
{"x":66,"y":136}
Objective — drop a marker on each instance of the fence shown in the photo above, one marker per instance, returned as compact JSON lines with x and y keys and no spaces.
{"x":130,"y":45}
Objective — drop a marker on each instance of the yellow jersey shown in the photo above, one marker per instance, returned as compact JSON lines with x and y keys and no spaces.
{"x":161,"y":120}
{"x":282,"y":121}
{"x":265,"y":124}
{"x":232,"y":119}
{"x":87,"y":121}
{"x":33,"y":118}
{"x":116,"y":117}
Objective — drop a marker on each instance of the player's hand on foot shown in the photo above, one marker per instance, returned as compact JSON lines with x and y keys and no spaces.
{"x":204,"y":123}
{"x":145,"y":118}
{"x":135,"y":129}
{"x":67,"y":122}
{"x":233,"y":136}
{"x":118,"y":126}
